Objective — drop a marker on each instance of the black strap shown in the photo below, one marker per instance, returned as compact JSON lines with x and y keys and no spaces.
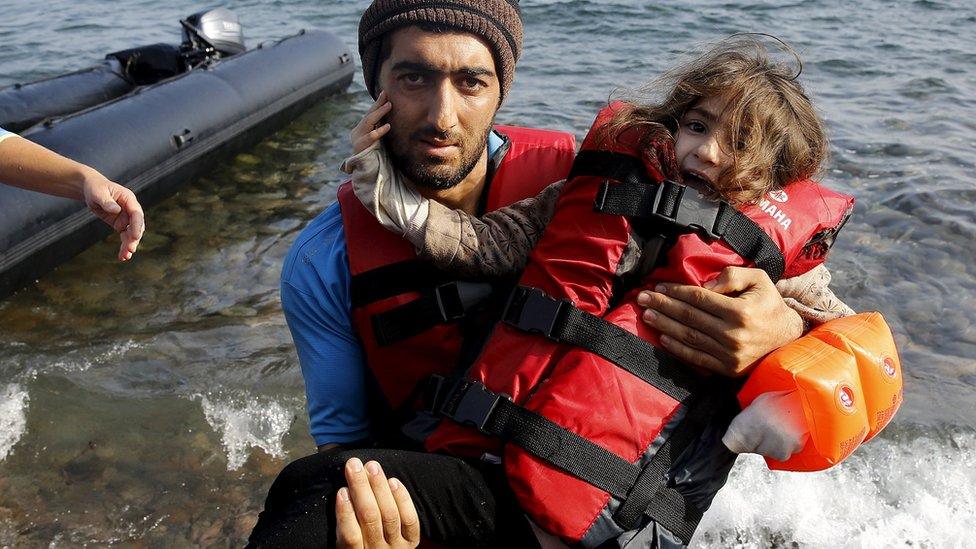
{"x":653,"y":498}
{"x":531,"y":310}
{"x":395,"y":279}
{"x":745,"y":237}
{"x":471,"y":403}
{"x":684,"y":209}
{"x":448,"y":302}
{"x":621,"y":167}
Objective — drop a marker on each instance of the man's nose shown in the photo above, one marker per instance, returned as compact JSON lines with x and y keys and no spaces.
{"x":442,"y":114}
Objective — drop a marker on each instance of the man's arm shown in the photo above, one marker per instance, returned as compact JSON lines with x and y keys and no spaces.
{"x":30,"y":166}
{"x":316,"y":301}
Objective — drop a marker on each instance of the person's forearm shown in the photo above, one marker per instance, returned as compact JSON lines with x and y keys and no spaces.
{"x":496,"y":244}
{"x":30,"y":166}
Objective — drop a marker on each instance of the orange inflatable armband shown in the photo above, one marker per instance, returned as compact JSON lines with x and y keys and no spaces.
{"x":849,"y":379}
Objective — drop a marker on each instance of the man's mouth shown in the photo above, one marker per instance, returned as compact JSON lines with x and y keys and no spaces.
{"x":438,"y":148}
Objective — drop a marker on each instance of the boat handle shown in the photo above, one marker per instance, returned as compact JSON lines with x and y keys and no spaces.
{"x":183,"y":138}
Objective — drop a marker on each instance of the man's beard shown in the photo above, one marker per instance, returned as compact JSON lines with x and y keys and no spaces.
{"x":431,"y":172}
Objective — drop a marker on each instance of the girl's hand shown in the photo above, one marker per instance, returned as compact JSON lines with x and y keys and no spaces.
{"x":368,"y":131}
{"x":374,"y":512}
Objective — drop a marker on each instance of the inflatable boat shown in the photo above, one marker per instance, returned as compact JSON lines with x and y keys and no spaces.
{"x":152,"y":118}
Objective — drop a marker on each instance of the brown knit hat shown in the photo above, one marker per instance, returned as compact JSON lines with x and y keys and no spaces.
{"x":498,"y":22}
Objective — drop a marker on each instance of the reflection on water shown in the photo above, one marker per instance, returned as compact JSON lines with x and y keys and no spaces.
{"x":153,"y":402}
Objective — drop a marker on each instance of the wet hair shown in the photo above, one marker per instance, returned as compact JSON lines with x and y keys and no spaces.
{"x":775,"y":134}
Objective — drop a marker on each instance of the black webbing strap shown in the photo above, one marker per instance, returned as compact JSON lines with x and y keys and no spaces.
{"x":395,"y":279}
{"x":471,"y":403}
{"x":684,"y":209}
{"x":446,"y":303}
{"x":531,"y":310}
{"x":617,"y":166}
{"x":652,"y":497}
{"x":752,"y":243}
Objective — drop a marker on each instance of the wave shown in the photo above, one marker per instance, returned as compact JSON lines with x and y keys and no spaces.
{"x":13,"y":417}
{"x":245,"y":422}
{"x":892,"y":492}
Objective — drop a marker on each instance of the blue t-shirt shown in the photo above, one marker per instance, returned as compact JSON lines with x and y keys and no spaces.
{"x":316,"y":299}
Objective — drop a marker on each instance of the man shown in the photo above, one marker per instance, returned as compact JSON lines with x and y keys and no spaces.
{"x":359,"y":302}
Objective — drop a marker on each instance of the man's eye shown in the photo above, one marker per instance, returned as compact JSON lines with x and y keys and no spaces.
{"x":472,"y":83}
{"x":413,"y":78}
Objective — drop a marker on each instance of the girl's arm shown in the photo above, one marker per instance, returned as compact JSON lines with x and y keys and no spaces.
{"x":810,"y":296}
{"x":496,"y":244}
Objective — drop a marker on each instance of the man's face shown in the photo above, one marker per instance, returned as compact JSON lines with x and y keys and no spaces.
{"x":444,"y":92}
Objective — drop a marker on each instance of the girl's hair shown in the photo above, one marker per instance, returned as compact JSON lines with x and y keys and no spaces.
{"x":776,"y":136}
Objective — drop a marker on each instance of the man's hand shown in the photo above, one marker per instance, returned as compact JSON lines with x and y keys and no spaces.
{"x":725,"y":326}
{"x":374,"y":512}
{"x":117,"y":206}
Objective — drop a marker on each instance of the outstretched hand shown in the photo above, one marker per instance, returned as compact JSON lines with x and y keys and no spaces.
{"x":117,"y":206}
{"x":374,"y":512}
{"x":369,"y":130}
{"x":727,"y":325}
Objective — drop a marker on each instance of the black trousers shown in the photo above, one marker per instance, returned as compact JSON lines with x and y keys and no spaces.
{"x":459,"y":503}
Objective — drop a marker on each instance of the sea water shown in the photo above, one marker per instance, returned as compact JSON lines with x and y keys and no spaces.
{"x":153,"y":402}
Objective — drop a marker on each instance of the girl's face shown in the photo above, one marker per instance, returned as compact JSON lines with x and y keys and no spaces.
{"x":701,"y":145}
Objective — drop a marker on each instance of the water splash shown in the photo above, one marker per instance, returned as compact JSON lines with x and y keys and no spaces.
{"x":905,"y":492}
{"x":13,"y":417}
{"x":246,"y":422}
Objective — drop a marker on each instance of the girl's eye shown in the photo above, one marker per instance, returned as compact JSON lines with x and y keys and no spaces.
{"x":696,"y":126}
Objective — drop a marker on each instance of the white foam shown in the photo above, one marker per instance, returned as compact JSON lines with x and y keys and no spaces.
{"x":81,"y":364}
{"x":245,"y":422}
{"x":13,"y":417}
{"x":914,"y":492}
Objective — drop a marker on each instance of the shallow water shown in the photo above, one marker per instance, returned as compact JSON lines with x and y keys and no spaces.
{"x":153,"y":402}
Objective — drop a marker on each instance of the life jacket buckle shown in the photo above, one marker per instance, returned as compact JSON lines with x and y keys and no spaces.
{"x":455,"y":299}
{"x":531,"y":310}
{"x":476,"y":405}
{"x":690,"y":210}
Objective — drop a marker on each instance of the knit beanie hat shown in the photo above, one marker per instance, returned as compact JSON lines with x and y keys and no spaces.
{"x":498,"y":22}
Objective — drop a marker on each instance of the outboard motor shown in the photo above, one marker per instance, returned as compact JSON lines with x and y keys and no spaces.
{"x":210,"y":35}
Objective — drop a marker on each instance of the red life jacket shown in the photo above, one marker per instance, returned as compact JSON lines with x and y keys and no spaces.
{"x":589,"y":416}
{"x":406,"y":312}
